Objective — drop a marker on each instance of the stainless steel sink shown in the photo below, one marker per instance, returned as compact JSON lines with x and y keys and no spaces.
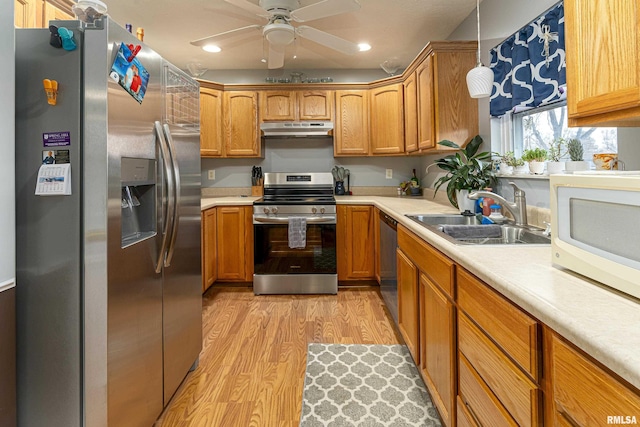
{"x":511,"y":234}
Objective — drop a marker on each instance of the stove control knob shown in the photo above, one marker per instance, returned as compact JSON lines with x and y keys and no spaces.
{"x":274,"y":210}
{"x":314,"y":210}
{"x":321,"y":210}
{"x":266,"y":211}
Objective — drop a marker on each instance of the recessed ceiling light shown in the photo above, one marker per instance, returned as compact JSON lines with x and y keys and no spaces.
{"x":263,"y":60}
{"x":211,"y":48}
{"x":364,"y":47}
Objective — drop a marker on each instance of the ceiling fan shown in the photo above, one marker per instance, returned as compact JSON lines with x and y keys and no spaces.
{"x":279,"y":32}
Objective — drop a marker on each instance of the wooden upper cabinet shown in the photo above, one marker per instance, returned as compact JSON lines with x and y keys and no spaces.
{"x":411,"y":113}
{"x":315,"y":104}
{"x":351,"y":133}
{"x":277,"y":105}
{"x":241,"y":127}
{"x":280,"y":105}
{"x":445,"y":109}
{"x":426,"y":115}
{"x":387,"y":119}
{"x":211,"y":133}
{"x":603,"y":62}
{"x":355,"y":237}
{"x":24,"y":13}
{"x":61,"y":10}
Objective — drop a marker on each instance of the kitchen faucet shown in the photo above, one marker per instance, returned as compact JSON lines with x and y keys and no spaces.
{"x":518,"y":209}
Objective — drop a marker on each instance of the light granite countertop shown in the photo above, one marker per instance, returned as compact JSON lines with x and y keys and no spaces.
{"x":602,"y":322}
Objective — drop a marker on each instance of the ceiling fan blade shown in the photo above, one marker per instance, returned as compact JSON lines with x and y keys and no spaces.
{"x":249,"y":7}
{"x":328,"y":40}
{"x":323,"y":9}
{"x":276,"y":57}
{"x":227,"y":34}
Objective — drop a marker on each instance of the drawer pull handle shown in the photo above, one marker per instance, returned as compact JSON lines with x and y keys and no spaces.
{"x":568,"y":418}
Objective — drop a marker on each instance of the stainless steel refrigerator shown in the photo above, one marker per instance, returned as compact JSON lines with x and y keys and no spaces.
{"x":109,"y":282}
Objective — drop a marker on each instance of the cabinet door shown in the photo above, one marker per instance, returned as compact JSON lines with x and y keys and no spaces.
{"x":209,"y":244}
{"x":24,"y":13}
{"x":242,"y":131}
{"x":586,"y":395}
{"x":455,"y":112}
{"x":355,"y":243}
{"x":351,"y":135}
{"x":411,"y":114}
{"x":424,"y":77}
{"x":315,"y":105}
{"x":408,"y":315}
{"x":234,"y":243}
{"x":211,"y":135}
{"x":437,"y":347}
{"x":387,"y":120}
{"x":47,"y":11}
{"x":603,"y":62}
{"x":277,"y":105}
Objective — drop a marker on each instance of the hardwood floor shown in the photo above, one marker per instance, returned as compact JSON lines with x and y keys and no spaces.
{"x":253,"y":360}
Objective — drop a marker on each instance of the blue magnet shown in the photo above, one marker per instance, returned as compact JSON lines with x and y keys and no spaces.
{"x":68,"y":43}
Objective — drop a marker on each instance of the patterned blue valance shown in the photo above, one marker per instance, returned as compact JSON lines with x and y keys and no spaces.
{"x":529,"y":67}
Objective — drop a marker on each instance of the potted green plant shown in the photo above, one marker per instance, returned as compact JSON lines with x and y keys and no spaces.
{"x":557,"y":150}
{"x":576,"y":154}
{"x":506,"y":163}
{"x":466,"y":170}
{"x":536,"y":158}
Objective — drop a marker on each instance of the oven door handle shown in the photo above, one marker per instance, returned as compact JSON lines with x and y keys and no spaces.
{"x":285,"y":220}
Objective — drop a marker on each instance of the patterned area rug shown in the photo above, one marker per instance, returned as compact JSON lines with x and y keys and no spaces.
{"x":364,"y":385}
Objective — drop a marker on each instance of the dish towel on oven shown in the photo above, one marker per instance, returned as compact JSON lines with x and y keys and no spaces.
{"x":297,"y":232}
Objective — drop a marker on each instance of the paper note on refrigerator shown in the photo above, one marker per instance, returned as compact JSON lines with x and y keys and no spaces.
{"x":54,"y":180}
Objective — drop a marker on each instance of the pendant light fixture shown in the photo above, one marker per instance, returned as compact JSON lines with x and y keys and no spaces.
{"x":480,"y":78}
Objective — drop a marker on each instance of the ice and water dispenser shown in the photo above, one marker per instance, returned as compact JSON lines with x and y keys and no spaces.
{"x":138,"y":200}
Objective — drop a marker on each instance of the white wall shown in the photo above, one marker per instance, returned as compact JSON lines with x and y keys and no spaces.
{"x":7,"y":148}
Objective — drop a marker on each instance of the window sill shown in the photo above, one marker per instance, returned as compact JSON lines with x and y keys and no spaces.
{"x":544,"y":176}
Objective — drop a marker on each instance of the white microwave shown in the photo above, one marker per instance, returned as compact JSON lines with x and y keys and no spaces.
{"x":595,"y":221}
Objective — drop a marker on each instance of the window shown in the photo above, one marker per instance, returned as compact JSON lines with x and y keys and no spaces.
{"x":537,"y":128}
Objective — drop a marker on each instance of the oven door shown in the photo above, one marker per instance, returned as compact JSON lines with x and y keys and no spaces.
{"x":272,"y":254}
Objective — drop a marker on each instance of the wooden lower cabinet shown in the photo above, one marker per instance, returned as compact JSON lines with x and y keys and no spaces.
{"x":234,"y":243}
{"x":583,"y":394}
{"x":209,"y":244}
{"x":354,"y":240}
{"x":437,"y":348}
{"x":408,"y":309}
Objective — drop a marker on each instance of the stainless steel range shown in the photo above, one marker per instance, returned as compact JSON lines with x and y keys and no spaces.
{"x":295,"y":235}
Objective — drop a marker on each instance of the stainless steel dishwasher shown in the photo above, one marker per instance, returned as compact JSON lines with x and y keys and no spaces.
{"x":388,"y":279}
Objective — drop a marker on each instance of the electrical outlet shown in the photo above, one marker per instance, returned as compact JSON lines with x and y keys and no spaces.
{"x":211,"y":175}
{"x":389,"y":174}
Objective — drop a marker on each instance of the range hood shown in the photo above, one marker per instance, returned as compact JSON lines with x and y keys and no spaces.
{"x":297,"y":129}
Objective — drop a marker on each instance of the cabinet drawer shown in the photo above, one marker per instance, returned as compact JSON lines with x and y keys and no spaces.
{"x":517,"y":393}
{"x":438,"y":267}
{"x":478,"y":403}
{"x":584,"y":394}
{"x":513,"y":330}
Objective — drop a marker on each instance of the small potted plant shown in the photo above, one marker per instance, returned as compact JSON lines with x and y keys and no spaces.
{"x":576,"y":154}
{"x":506,"y":163}
{"x":536,"y":158}
{"x":555,"y":155}
{"x":467,"y":170}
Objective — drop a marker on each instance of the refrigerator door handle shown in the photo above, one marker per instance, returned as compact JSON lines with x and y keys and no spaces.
{"x":176,"y":192}
{"x":162,"y":143}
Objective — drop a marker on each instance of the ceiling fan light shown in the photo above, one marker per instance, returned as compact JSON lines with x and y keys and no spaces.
{"x":364,"y":47}
{"x":211,"y":48}
{"x":279,"y":34}
{"x":480,"y":81}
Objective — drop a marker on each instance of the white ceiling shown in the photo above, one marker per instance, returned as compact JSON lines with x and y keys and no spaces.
{"x":396,"y":29}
